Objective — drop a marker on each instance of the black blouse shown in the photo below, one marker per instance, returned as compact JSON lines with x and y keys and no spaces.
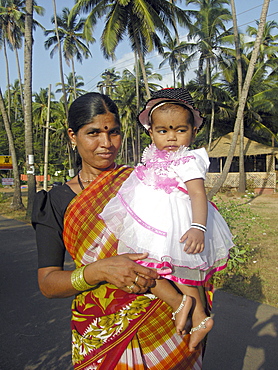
{"x":48,"y":221}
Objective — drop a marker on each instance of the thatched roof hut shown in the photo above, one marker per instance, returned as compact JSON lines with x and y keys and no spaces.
{"x":220,"y":147}
{"x":260,"y":163}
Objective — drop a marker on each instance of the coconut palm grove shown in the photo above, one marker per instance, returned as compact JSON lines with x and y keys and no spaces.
{"x":234,"y":68}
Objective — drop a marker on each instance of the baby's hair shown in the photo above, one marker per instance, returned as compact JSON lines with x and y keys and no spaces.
{"x":169,"y":105}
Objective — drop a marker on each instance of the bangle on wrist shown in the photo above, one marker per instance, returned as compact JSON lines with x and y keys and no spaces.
{"x":194,"y":225}
{"x":78,"y":281}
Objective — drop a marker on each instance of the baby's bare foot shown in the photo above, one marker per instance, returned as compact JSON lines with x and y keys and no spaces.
{"x":199,"y":332}
{"x":181,"y":314}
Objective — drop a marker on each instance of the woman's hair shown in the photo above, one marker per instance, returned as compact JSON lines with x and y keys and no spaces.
{"x":83,"y":110}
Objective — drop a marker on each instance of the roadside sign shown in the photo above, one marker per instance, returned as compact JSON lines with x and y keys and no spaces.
{"x":7,"y":181}
{"x":6,"y":162}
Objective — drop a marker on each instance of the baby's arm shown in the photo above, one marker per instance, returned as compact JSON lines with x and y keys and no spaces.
{"x":194,"y":238}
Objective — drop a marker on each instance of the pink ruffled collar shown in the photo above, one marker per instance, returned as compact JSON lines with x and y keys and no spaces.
{"x":151,"y":153}
{"x":155,"y":167}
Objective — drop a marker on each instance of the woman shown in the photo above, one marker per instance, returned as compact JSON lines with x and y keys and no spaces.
{"x":114,"y":324}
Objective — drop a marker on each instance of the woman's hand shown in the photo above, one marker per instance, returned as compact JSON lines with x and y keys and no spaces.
{"x":123,"y":272}
{"x":120,"y":270}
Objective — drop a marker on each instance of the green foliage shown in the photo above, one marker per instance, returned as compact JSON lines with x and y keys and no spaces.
{"x":242,"y":222}
{"x":2,"y":198}
{"x":250,"y":186}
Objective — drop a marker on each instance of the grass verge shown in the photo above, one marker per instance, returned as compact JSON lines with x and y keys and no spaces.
{"x":252,"y":269}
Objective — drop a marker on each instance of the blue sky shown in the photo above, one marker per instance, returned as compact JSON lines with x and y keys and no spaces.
{"x":46,"y":70}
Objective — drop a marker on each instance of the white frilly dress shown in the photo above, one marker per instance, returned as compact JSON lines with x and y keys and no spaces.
{"x":152,"y":210}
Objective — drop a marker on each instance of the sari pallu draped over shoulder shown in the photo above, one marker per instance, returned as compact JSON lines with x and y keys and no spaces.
{"x":112,"y":329}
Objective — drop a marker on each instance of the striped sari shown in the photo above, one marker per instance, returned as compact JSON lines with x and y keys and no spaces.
{"x":112,"y":329}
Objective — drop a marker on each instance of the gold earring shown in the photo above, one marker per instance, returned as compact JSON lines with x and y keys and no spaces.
{"x":73,"y":145}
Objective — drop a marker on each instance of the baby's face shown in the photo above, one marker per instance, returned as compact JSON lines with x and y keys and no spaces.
{"x":171,"y":128}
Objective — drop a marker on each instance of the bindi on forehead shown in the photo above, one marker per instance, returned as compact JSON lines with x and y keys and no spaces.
{"x":105,"y":127}
{"x":171,"y":127}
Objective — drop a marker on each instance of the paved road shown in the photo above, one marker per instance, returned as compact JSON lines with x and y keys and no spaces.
{"x":245,"y":335}
{"x":35,"y":331}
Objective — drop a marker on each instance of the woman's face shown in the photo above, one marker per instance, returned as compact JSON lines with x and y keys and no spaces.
{"x":98,"y":142}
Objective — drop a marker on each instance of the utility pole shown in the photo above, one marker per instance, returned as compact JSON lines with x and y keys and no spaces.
{"x":45,"y":173}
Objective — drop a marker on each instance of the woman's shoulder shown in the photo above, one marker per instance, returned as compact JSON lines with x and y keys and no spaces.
{"x":57,"y":194}
{"x":61,"y":190}
{"x":54,"y":201}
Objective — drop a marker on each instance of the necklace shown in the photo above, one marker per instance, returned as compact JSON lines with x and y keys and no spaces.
{"x":80,"y":180}
{"x":79,"y":175}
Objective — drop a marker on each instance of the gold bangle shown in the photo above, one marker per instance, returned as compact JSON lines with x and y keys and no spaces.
{"x":78,"y":281}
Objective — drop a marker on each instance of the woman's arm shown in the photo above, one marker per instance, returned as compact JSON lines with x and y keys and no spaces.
{"x":194,"y":237}
{"x":121,"y":271}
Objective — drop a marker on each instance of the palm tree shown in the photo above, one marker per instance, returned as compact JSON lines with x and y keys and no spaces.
{"x":140,"y":19}
{"x":11,"y":32}
{"x":72,"y":87}
{"x":242,"y":102}
{"x":28,"y":119}
{"x":12,"y":16}
{"x":126,"y":97}
{"x":109,"y":80}
{"x":242,"y":180}
{"x":40,"y":107}
{"x":59,"y":48}
{"x":71,"y":36}
{"x":16,"y":102}
{"x":17,"y":198}
{"x":59,"y":126}
{"x":261,"y":100}
{"x":207,"y":32}
{"x":176,"y":58}
{"x":269,"y":45}
{"x":261,"y":91}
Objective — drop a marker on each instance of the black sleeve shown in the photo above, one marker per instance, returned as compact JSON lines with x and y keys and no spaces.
{"x":47,"y":219}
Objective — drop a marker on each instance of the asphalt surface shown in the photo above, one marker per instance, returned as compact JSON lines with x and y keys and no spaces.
{"x":35,"y":331}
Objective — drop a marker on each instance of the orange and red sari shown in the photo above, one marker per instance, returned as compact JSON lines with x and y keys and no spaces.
{"x":112,"y":329}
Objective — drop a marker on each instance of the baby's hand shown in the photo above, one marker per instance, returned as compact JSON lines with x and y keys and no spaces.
{"x":195,"y":241}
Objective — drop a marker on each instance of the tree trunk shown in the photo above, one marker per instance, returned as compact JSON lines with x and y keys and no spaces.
{"x":19,"y":77}
{"x":28,"y":121}
{"x":145,"y":78}
{"x":70,"y":151}
{"x":60,"y":60}
{"x":242,"y":175}
{"x":242,"y":102}
{"x":8,"y":77}
{"x":182,"y":79}
{"x":74,"y":80}
{"x":137,"y":128}
{"x":210,"y":97}
{"x":17,"y":199}
{"x":45,"y":172}
{"x":142,"y":65}
{"x":242,"y":178}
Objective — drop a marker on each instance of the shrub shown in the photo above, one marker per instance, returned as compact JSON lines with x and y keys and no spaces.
{"x":242,"y":223}
{"x":2,"y":198}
